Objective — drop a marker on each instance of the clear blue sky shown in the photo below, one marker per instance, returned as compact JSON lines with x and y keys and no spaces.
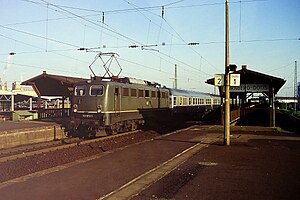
{"x":45,"y":35}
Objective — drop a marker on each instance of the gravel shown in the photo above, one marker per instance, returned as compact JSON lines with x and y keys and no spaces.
{"x":20,"y":167}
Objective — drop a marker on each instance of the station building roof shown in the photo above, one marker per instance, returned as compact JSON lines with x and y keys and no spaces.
{"x":52,"y":85}
{"x":252,"y":77}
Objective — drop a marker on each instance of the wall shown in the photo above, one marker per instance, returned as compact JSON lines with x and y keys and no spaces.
{"x":18,"y":137}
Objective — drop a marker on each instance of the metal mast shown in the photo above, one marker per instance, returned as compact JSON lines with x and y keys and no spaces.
{"x":295,"y":87}
{"x":175,"y":76}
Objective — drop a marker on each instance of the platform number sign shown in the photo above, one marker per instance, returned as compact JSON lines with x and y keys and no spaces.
{"x":235,"y":79}
{"x":219,"y":79}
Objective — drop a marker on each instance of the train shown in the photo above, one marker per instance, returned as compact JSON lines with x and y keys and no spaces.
{"x":124,"y":104}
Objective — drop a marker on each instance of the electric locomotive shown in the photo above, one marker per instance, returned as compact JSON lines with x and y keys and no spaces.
{"x":114,"y":105}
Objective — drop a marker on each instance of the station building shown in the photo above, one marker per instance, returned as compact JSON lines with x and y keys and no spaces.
{"x":47,"y":97}
{"x":244,"y":103}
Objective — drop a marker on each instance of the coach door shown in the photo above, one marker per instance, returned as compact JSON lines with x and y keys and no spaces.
{"x":117,"y":99}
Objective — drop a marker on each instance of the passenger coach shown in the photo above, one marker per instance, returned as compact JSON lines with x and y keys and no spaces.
{"x":184,"y":101}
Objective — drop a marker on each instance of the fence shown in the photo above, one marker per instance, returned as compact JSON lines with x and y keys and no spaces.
{"x":53,"y":113}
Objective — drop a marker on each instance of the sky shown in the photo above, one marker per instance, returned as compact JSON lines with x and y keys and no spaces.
{"x":45,"y":35}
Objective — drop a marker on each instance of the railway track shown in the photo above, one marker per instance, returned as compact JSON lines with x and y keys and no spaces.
{"x":36,"y":149}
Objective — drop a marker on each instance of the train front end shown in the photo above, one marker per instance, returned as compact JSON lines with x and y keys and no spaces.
{"x":87,"y":109}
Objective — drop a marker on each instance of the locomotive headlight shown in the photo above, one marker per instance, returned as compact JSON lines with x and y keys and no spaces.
{"x":75,"y":106}
{"x":99,"y":108}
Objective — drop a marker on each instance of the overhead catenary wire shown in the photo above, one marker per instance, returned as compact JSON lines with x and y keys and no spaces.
{"x":54,"y":51}
{"x":130,"y":39}
{"x":39,"y":36}
{"x":169,"y":56}
{"x":158,"y":70}
{"x":222,"y":42}
{"x":75,"y":16}
{"x":190,"y":45}
{"x":44,"y":20}
{"x":156,"y":7}
{"x":163,"y":19}
{"x":109,"y":29}
{"x":44,"y":68}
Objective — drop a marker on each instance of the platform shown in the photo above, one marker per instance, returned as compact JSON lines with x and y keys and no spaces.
{"x":261,"y":163}
{"x":26,"y":132}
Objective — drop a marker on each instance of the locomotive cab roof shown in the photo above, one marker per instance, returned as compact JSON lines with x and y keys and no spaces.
{"x":125,"y":80}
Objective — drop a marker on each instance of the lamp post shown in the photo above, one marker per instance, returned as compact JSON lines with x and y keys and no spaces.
{"x":227,"y":81}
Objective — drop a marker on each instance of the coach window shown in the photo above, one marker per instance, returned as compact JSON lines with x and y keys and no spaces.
{"x":207,"y":101}
{"x":133,"y":92}
{"x":96,"y":90}
{"x":141,"y":93}
{"x":125,"y":92}
{"x":163,"y":95}
{"x":174,"y":101}
{"x":147,"y":93}
{"x":190,"y":101}
{"x":80,"y":90}
{"x":215,"y":101}
{"x":180,"y":101}
{"x":201,"y":101}
{"x":184,"y":101}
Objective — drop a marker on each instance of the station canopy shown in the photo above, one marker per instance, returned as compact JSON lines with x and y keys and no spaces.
{"x":5,"y":95}
{"x":52,"y":85}
{"x":253,"y":82}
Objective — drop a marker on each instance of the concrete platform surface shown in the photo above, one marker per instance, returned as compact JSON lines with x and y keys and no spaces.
{"x":191,"y":164}
{"x":10,"y":125}
{"x":257,"y":165}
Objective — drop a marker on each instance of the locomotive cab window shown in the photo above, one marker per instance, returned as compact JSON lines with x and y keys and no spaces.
{"x":96,"y":90}
{"x":80,"y":90}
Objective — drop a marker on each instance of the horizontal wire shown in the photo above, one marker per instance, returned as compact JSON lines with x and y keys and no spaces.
{"x":156,"y":7}
{"x":37,"y":67}
{"x":42,"y":49}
